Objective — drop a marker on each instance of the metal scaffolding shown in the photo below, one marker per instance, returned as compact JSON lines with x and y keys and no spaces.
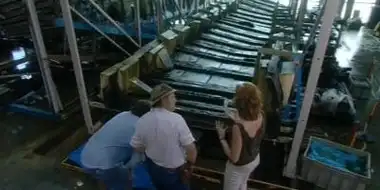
{"x":71,"y":38}
{"x":39,"y":45}
{"x":293,"y":8}
{"x":301,"y":17}
{"x":327,"y":20}
{"x":318,"y":57}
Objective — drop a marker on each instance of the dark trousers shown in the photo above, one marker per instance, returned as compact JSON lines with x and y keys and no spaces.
{"x":114,"y":179}
{"x":165,"y":178}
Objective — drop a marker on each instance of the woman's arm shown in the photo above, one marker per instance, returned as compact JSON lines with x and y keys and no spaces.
{"x":233,"y":153}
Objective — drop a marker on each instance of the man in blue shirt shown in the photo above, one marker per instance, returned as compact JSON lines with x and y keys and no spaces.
{"x":107,"y":155}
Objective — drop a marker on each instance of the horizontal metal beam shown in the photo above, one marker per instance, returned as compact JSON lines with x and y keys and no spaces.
{"x":67,"y":58}
{"x":17,"y":75}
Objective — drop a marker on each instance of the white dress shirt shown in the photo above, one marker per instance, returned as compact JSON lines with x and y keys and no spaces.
{"x":163,"y":134}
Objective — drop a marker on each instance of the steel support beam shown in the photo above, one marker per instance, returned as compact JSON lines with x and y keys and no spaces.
{"x":39,"y":45}
{"x":180,"y":7}
{"x":349,"y":7}
{"x":71,"y":38}
{"x":340,"y":9}
{"x":318,"y":57}
{"x":159,"y":16}
{"x":316,"y":26}
{"x":301,"y":18}
{"x":293,"y":8}
{"x":290,"y":3}
{"x":138,"y":21}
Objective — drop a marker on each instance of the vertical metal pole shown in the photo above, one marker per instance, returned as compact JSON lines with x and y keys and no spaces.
{"x":294,"y":9}
{"x":180,"y":7}
{"x":301,"y":17}
{"x":320,"y":4}
{"x":40,"y":64}
{"x":71,"y":38}
{"x":290,"y":3}
{"x":159,"y":16}
{"x":349,"y":7}
{"x":94,"y":46}
{"x":42,"y":57}
{"x":64,"y":44}
{"x":315,"y":26}
{"x":319,"y":54}
{"x":138,"y":21}
{"x":340,"y":9}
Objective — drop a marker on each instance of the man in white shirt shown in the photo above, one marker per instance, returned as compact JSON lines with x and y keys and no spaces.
{"x":166,"y":140}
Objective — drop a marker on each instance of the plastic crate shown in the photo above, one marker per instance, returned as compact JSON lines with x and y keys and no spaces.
{"x":331,"y":178}
{"x":360,"y":87}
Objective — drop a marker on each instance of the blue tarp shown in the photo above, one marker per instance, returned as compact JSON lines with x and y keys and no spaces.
{"x":140,"y":180}
{"x":337,"y":158}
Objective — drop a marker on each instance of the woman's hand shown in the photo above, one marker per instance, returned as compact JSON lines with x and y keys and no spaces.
{"x":220,"y":129}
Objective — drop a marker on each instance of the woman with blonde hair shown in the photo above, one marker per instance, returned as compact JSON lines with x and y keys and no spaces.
{"x":243,"y":147}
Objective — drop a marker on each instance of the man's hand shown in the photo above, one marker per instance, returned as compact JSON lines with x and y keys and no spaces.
{"x":191,"y":153}
{"x":186,"y":172}
{"x":135,"y":159}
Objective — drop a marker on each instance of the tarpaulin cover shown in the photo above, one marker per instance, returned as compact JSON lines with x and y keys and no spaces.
{"x":140,"y":180}
{"x":337,"y":158}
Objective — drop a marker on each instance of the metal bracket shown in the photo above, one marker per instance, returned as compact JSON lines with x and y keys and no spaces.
{"x":141,"y":84}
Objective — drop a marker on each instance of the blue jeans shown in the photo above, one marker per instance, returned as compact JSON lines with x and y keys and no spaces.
{"x":164,"y":178}
{"x":117,"y":178}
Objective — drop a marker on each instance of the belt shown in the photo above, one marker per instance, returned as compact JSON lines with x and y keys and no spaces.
{"x":184,"y":170}
{"x":170,"y":169}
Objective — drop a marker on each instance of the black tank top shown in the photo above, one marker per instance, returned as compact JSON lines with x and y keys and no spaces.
{"x":250,"y":146}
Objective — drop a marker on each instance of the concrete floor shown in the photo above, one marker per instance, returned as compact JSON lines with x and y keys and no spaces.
{"x":21,"y":168}
{"x":359,"y":50}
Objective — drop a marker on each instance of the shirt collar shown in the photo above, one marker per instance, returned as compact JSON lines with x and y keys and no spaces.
{"x":160,"y":109}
